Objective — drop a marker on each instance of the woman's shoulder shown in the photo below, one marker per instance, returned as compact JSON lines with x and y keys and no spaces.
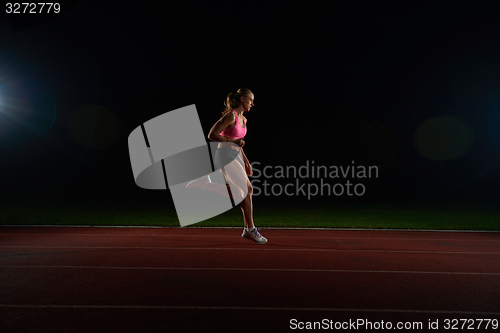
{"x":228,"y":117}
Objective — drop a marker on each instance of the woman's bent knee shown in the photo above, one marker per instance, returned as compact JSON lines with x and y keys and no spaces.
{"x":250,"y":189}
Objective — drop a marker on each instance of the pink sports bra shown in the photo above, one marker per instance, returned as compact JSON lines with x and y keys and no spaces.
{"x":235,"y":132}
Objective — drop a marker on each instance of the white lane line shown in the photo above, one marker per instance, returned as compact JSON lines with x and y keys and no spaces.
{"x":253,"y":269}
{"x":178,"y":307}
{"x":256,"y":248}
{"x":266,"y":228}
{"x":285,"y":237}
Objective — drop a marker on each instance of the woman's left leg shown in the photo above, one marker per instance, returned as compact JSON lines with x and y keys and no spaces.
{"x":247,"y":207}
{"x":250,"y":231}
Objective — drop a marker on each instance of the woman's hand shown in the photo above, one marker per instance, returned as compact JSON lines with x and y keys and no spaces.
{"x":239,"y":142}
{"x":248,"y":168}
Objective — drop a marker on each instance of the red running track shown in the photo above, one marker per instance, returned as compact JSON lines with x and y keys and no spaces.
{"x":72,"y":279}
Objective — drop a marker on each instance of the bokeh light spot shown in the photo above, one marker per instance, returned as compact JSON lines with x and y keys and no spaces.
{"x":444,"y":138}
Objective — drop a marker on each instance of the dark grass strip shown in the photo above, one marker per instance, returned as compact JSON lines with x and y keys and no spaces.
{"x":312,"y":216}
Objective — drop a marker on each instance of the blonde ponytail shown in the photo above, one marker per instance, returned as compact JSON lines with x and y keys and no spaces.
{"x":233,"y":99}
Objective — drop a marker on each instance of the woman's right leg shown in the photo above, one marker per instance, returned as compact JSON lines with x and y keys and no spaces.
{"x":222,"y":161}
{"x":235,"y":176}
{"x":221,"y":189}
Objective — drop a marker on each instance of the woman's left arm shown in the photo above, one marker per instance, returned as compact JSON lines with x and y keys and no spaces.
{"x":245,"y":159}
{"x":248,"y":167}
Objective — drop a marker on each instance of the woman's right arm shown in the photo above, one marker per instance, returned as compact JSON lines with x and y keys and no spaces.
{"x":221,"y":125}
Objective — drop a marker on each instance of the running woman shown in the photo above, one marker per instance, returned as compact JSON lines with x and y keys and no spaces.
{"x":232,"y":127}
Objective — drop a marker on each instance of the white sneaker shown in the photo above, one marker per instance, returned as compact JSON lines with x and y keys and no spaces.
{"x":200,"y":182}
{"x":254,"y":235}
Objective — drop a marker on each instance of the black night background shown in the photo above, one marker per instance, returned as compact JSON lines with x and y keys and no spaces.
{"x":333,"y":84}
